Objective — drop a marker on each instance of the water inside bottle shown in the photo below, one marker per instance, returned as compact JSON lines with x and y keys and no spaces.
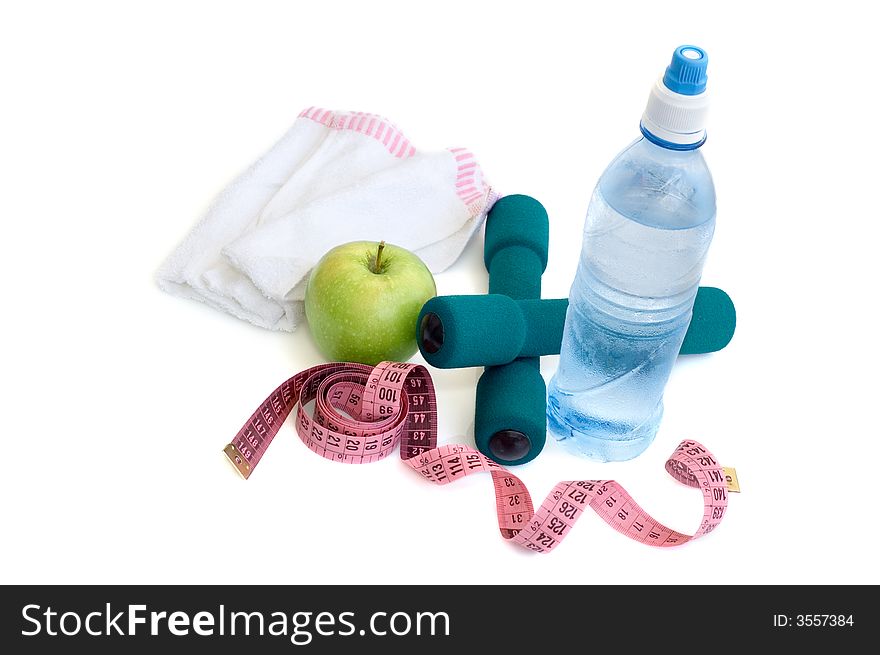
{"x":629,"y":310}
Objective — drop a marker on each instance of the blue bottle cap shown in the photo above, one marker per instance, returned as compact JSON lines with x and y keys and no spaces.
{"x":686,"y":74}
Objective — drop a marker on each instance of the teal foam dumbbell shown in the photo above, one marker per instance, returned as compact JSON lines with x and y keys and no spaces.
{"x":493,"y":329}
{"x":509,"y":421}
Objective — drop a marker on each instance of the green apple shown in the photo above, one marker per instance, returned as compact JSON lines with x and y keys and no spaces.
{"x":363,"y":299}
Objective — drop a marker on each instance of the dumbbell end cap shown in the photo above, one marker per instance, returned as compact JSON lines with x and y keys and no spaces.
{"x":431,"y":332}
{"x":509,"y":446}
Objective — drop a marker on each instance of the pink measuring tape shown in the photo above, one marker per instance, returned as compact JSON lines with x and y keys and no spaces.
{"x":362,"y":413}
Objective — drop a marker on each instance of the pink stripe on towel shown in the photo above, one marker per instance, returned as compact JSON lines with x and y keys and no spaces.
{"x":367,"y":124}
{"x":470,"y":185}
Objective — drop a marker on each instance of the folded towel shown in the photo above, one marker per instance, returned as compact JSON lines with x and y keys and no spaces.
{"x":334,"y":177}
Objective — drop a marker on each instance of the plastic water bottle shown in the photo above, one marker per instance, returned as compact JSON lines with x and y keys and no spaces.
{"x":647,"y":231}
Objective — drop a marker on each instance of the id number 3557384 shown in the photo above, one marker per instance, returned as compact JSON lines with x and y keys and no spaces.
{"x":813,"y":620}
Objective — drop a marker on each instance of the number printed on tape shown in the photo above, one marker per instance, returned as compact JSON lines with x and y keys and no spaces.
{"x":361,"y":414}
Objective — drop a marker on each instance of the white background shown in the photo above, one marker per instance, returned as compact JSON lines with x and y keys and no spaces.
{"x":120,"y":122}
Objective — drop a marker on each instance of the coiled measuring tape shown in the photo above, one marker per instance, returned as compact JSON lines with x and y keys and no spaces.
{"x":361,"y":414}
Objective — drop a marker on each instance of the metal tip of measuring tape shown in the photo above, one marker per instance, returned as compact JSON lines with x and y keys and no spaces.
{"x":235,"y":458}
{"x":731,"y":479}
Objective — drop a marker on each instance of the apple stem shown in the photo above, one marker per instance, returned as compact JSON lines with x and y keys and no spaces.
{"x":377,"y":263}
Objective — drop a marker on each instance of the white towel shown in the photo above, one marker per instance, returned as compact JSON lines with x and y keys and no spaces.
{"x":334,"y":177}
